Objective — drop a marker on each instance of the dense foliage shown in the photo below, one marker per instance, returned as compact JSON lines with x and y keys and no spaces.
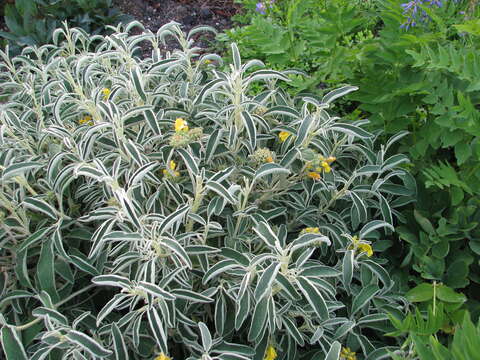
{"x":32,"y":22}
{"x":161,"y":207}
{"x":416,"y":64}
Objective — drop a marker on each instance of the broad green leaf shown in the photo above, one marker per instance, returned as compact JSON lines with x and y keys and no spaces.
{"x":420,"y":293}
{"x":447,"y":294}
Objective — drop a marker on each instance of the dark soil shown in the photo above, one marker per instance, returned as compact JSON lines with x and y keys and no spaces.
{"x":189,"y":13}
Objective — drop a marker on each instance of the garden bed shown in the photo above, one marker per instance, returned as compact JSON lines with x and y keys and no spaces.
{"x":189,"y":13}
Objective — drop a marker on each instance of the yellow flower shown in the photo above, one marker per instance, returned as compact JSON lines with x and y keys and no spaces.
{"x":311,"y":230}
{"x":172,"y":166}
{"x":347,"y":354}
{"x":162,"y":356}
{"x":86,"y":120}
{"x":326,"y":167}
{"x":365,"y":248}
{"x":283,"y":135}
{"x":271,"y":353}
{"x":180,"y":125}
{"x":331,"y":159}
{"x":207,"y":61}
{"x":269,"y":159}
{"x":106,"y":93}
{"x":361,"y":247}
{"x":314,"y":175}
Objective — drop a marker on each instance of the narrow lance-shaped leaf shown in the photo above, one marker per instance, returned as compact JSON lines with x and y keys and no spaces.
{"x":363,"y":297}
{"x":206,"y":337}
{"x":335,"y":94}
{"x":259,"y":319}
{"x":314,"y":297}
{"x":347,"y":274}
{"x":334,"y":352}
{"x":251,"y":130}
{"x":270,"y":168}
{"x":120,"y":348}
{"x":46,"y":269}
{"x":220,"y":190}
{"x":40,"y":206}
{"x":20,"y":169}
{"x":11,"y":344}
{"x":266,"y":280}
{"x":87,"y":343}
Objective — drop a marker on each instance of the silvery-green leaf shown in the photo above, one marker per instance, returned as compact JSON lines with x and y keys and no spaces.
{"x":12,"y":345}
{"x":87,"y":343}
{"x":334,"y":352}
{"x":314,"y":297}
{"x":259,"y":319}
{"x":335,"y":94}
{"x":266,"y":280}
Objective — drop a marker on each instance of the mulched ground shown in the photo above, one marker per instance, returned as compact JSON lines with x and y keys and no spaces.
{"x":189,"y":13}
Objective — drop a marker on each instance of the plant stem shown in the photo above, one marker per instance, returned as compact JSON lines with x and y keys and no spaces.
{"x":75,"y":294}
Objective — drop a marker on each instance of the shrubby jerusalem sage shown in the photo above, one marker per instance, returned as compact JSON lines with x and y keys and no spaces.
{"x":151,"y":211}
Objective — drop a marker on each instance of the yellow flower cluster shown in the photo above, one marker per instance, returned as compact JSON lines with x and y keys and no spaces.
{"x":171,"y":172}
{"x":263,"y":155}
{"x":361,"y":246}
{"x":347,"y":354}
{"x":87,"y":120}
{"x":283,"y":135}
{"x":162,"y":356}
{"x":106,"y":93}
{"x":271,"y":353}
{"x":319,"y":165}
{"x":183,"y":134}
{"x":310,"y":230}
{"x":180,"y":125}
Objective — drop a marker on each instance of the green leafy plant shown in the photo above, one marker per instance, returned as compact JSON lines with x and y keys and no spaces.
{"x":153,"y":206}
{"x":322,"y":39}
{"x":32,"y":22}
{"x":431,"y":92}
{"x":425,"y":342}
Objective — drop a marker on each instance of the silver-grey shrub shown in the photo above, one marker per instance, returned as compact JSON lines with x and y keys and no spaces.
{"x":163,"y":206}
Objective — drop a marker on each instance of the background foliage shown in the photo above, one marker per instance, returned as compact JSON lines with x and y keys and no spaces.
{"x":32,"y":22}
